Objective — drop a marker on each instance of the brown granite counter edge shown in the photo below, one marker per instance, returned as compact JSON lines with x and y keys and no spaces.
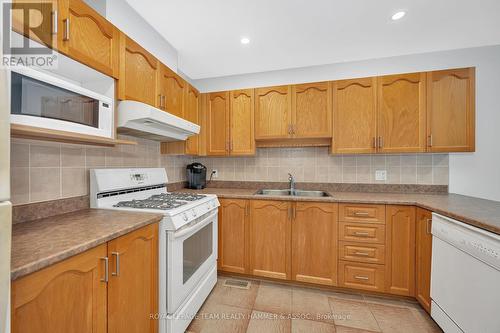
{"x":435,"y":209}
{"x":61,"y":256}
{"x":39,"y":210}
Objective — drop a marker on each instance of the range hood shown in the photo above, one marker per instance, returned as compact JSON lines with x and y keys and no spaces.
{"x":144,"y":121}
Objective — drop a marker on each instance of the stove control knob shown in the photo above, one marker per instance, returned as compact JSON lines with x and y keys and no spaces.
{"x":184,"y":216}
{"x":193,"y":212}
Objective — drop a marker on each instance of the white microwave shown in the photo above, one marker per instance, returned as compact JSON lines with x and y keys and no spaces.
{"x":44,"y":100}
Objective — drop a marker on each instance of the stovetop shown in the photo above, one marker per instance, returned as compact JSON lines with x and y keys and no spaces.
{"x":164,"y":201}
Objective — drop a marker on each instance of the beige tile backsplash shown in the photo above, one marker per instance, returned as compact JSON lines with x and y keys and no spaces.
{"x":316,"y":165}
{"x":46,"y":171}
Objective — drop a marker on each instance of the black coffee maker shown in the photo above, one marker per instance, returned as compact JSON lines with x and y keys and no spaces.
{"x":196,"y":175}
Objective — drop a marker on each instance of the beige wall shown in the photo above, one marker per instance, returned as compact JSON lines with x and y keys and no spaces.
{"x":316,"y":165}
{"x":46,"y":171}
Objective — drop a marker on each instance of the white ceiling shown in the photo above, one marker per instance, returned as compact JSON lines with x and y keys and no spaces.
{"x":300,"y":33}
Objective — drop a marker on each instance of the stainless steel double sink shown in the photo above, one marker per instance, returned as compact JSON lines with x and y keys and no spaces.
{"x":295,"y":193}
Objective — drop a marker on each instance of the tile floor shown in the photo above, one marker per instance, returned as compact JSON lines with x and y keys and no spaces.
{"x":272,"y":307}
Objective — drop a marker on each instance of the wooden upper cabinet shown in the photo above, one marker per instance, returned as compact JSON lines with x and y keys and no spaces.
{"x":400,"y":250}
{"x":88,"y":37}
{"x":133,"y":281}
{"x":401,"y":113}
{"x":171,"y":90}
{"x":355,"y":116}
{"x":451,"y":110}
{"x":233,"y":235}
{"x":137,"y":73}
{"x":312,"y":110}
{"x":42,"y":24}
{"x":423,"y":258}
{"x":270,"y":238}
{"x":217,"y":122}
{"x":241,"y":122}
{"x":192,"y":114}
{"x":66,"y":297}
{"x":314,"y":243}
{"x":273,"y":112}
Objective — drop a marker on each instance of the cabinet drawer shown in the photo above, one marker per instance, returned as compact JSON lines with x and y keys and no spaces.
{"x":361,"y":276}
{"x":362,"y":213}
{"x":370,"y":253}
{"x":362,"y":232}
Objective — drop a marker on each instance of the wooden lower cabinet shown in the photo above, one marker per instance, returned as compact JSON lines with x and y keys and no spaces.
{"x":234,"y":227}
{"x":74,"y":296}
{"x":423,"y":258}
{"x":69,"y":296}
{"x":270,"y":238}
{"x":361,"y":276}
{"x":133,"y":281}
{"x":314,"y":243}
{"x":400,"y":250}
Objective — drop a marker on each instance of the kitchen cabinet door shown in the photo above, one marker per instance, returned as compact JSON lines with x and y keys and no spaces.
{"x":69,"y":296}
{"x":400,"y":250}
{"x":133,"y":281}
{"x":355,"y":116}
{"x":273,"y":113}
{"x":192,"y":114}
{"x":88,"y":37}
{"x":138,"y":75}
{"x":241,"y":122}
{"x":451,"y":110}
{"x":312,"y":110}
{"x":42,"y":25}
{"x":401,"y":113}
{"x":171,"y":92}
{"x":314,"y":243}
{"x":218,"y":124}
{"x":423,"y":258}
{"x":233,"y":235}
{"x":270,"y":238}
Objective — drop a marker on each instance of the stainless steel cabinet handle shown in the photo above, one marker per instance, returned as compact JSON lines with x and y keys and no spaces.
{"x":380,"y":142}
{"x":117,"y":263}
{"x":362,"y":254}
{"x":357,"y":277}
{"x":374,"y":142}
{"x":361,"y":213}
{"x":430,"y":140}
{"x":66,"y":30}
{"x":54,"y":22}
{"x":428,"y":226}
{"x":106,"y":269}
{"x":363,"y":234}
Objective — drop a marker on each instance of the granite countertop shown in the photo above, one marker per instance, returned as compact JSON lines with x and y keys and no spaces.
{"x":481,"y":213}
{"x":43,"y":242}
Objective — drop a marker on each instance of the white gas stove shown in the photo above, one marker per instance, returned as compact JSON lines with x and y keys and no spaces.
{"x":187,"y":236}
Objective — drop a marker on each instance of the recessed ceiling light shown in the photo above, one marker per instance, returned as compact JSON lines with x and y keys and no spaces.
{"x":245,"y":40}
{"x":398,"y":15}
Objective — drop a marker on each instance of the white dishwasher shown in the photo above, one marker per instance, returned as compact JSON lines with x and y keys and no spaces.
{"x":465,"y":277}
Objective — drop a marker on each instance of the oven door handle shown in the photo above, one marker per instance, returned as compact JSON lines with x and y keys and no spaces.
{"x":192,"y":229}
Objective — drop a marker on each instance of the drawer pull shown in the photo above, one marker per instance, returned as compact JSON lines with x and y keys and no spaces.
{"x":361,"y":213}
{"x":358,"y":277}
{"x":362,"y":234}
{"x":362,"y":254}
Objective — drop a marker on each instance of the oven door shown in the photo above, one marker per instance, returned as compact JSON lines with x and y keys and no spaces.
{"x":191,"y":254}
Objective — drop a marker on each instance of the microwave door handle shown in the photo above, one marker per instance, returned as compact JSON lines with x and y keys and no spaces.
{"x":193,"y":229}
